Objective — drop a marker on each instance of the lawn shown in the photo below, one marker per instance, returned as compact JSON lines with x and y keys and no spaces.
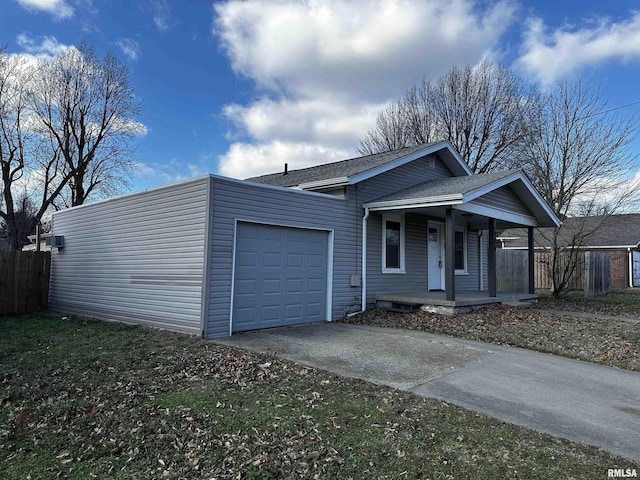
{"x":622,"y":303}
{"x":87,"y":399}
{"x":609,"y":342}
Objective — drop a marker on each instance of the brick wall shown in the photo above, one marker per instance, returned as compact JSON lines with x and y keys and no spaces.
{"x":619,"y":267}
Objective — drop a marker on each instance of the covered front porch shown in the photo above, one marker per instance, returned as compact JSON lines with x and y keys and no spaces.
{"x":439,"y":242}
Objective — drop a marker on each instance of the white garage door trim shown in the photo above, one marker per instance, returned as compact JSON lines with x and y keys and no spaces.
{"x":287,"y":225}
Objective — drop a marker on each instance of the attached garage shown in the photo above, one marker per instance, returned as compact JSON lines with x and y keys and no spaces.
{"x":281,"y":276}
{"x":210,"y":256}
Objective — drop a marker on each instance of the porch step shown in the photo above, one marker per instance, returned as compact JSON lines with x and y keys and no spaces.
{"x":519,"y":303}
{"x":401,"y":307}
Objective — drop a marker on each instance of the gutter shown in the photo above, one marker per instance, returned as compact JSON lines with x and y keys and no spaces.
{"x":364,"y":258}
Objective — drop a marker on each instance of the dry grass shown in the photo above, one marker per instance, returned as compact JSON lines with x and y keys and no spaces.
{"x":85,"y":399}
{"x":609,"y":342}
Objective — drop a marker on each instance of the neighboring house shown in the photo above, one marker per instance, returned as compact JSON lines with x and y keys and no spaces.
{"x":215,"y":255}
{"x":45,"y":243}
{"x":615,"y":235}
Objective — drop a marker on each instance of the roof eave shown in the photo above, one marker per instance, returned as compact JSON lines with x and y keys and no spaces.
{"x":428,"y":150}
{"x":325,"y":183}
{"x":545,"y":216}
{"x":420,"y":202}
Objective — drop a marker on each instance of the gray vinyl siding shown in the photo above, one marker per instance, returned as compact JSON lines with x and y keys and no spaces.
{"x":136,"y":259}
{"x":233,"y":201}
{"x":470,"y":280}
{"x":416,"y":273}
{"x":412,"y":173}
{"x":415,"y":277}
{"x":505,"y":199}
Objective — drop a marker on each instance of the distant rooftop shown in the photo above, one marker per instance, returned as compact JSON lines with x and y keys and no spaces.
{"x":605,"y":231}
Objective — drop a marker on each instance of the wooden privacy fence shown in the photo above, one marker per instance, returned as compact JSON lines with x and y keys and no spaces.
{"x":24,"y":281}
{"x":542,"y":273}
{"x":592,"y":273}
{"x":597,"y":273}
{"x":512,"y":268}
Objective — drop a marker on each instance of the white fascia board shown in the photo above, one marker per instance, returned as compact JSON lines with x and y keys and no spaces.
{"x":428,"y":150}
{"x":607,"y":247}
{"x":490,"y":187}
{"x":598,"y":247}
{"x":415,"y":202}
{"x":326,"y":183}
{"x":498,"y":214}
{"x":515,"y":176}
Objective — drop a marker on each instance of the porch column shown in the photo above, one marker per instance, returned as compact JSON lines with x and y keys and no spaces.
{"x":491,"y":254}
{"x":532,"y":286}
{"x":449,"y":256}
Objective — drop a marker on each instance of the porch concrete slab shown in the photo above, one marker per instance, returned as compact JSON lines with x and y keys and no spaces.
{"x":576,"y":400}
{"x":463,"y":299}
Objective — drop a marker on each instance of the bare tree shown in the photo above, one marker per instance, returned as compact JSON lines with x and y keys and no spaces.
{"x":66,"y":131}
{"x":483,"y":111}
{"x":14,"y":142}
{"x":580,"y":161}
{"x":87,"y":109}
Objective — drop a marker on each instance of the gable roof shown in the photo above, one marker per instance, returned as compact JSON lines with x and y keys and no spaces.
{"x":461,"y":191}
{"x":451,"y":188}
{"x":354,"y":170}
{"x":621,"y":231}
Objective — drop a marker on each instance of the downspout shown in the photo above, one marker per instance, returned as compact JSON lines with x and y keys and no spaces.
{"x":364,"y":258}
{"x":630,"y":267}
{"x":480,"y":259}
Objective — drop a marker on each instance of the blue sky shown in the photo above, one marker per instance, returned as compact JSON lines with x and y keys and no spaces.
{"x":240,"y":88}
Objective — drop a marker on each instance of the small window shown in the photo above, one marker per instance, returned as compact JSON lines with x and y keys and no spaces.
{"x":392,"y":244}
{"x":460,"y":250}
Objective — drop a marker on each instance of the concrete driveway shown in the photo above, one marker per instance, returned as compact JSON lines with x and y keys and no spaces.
{"x":576,"y":400}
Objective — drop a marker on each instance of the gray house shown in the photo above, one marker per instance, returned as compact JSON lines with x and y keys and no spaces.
{"x":214,"y":255}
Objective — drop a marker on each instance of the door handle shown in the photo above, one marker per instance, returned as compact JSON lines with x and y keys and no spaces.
{"x":440,"y":264}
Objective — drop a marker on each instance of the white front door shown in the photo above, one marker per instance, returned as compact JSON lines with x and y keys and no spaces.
{"x":435,"y":255}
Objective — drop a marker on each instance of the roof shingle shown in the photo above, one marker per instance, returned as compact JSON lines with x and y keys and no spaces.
{"x":343,"y":168}
{"x":446,"y":186}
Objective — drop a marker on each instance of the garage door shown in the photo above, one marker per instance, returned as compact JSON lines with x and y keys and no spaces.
{"x":280,"y":276}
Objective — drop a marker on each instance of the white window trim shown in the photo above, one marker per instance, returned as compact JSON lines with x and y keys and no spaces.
{"x":465,"y":259}
{"x":393,"y":218}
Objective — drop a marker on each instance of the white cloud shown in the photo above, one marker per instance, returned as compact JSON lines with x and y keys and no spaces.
{"x":549,"y":56}
{"x":148,"y":175}
{"x":129,"y":47}
{"x":161,"y":14}
{"x":245,"y":159}
{"x":59,"y":9}
{"x":131,"y":127}
{"x":46,"y":47}
{"x":324,"y":68}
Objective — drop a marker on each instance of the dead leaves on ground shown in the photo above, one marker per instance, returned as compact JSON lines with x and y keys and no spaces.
{"x":610,"y":342}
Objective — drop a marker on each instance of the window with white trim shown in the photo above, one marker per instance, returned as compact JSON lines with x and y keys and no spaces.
{"x":393,"y":244}
{"x":460,"y":250}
